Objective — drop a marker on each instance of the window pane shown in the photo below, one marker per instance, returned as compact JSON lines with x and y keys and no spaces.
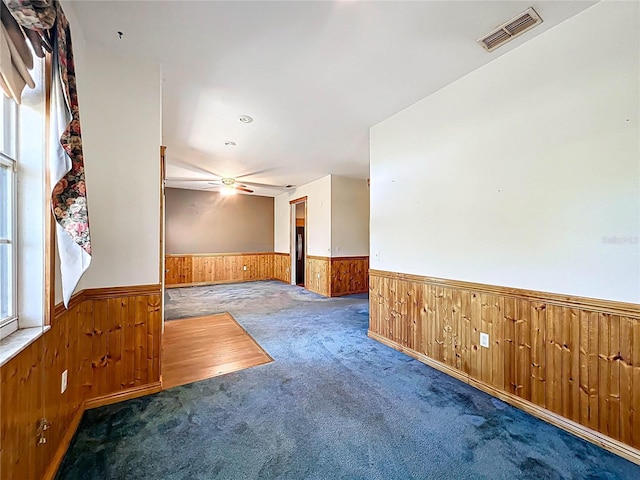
{"x":5,"y":281}
{"x":5,"y":201}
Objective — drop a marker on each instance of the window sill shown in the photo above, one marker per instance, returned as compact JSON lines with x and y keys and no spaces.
{"x":13,"y":344}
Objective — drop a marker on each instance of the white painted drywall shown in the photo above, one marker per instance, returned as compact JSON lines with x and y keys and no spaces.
{"x":120,"y":109}
{"x":524,"y":173}
{"x":318,"y":224}
{"x":349,"y":217}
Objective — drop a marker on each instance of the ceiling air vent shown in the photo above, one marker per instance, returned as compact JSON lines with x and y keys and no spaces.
{"x":510,"y":30}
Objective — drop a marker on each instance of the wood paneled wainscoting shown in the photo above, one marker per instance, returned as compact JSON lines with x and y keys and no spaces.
{"x":574,"y":362}
{"x":214,"y":268}
{"x":327,"y":276}
{"x":281,"y":267}
{"x":109,"y":341}
{"x":336,"y":276}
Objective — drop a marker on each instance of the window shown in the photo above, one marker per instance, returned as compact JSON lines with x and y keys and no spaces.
{"x":8,"y":207}
{"x":23,"y":213}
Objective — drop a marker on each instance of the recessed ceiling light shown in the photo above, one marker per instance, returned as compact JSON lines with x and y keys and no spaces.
{"x":230,"y":144}
{"x":245,"y":119}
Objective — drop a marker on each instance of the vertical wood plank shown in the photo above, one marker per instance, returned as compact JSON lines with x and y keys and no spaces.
{"x":614,"y":376}
{"x":584,"y":368}
{"x":523,"y":349}
{"x":592,"y":355}
{"x":603,"y":373}
{"x":635,"y":400}
{"x":466,"y":329}
{"x":538,"y":359}
{"x":509,"y":342}
{"x":475,"y":314}
{"x":457,"y":340}
{"x":626,"y":380}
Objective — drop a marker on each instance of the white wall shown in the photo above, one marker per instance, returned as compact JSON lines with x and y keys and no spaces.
{"x":318,"y":224}
{"x":120,"y":111}
{"x":349,"y":217}
{"x":524,"y":173}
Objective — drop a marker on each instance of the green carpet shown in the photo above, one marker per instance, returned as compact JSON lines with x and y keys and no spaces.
{"x":333,"y":405}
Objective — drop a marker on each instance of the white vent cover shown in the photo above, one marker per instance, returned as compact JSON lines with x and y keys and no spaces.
{"x":510,"y":30}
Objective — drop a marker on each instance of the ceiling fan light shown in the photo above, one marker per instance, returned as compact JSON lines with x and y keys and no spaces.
{"x":228,"y":190}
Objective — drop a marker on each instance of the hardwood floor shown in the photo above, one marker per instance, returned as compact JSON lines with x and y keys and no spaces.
{"x":203,"y":347}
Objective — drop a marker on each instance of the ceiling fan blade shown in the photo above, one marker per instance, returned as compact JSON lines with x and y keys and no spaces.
{"x":182,"y":179}
{"x":257,"y":172}
{"x":265,"y":185}
{"x":244,"y":189}
{"x":193,"y":168}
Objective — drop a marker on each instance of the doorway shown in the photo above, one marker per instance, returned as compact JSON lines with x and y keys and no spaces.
{"x":298,"y":241}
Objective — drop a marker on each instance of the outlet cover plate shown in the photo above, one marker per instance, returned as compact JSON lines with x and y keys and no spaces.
{"x":484,"y":340}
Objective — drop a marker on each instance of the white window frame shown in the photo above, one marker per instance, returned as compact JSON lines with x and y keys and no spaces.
{"x":9,"y":160}
{"x":31,"y":196}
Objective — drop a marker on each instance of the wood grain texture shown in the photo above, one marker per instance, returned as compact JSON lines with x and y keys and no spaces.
{"x":282,"y":267}
{"x":349,"y":275}
{"x":199,"y":348}
{"x":575,"y":361}
{"x":338,"y":275}
{"x":97,"y":341}
{"x":215,"y":268}
{"x":318,"y":275}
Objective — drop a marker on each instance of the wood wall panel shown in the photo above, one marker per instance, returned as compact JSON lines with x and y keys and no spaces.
{"x":317,"y":275}
{"x":201,"y":269}
{"x":349,"y":275}
{"x":553,"y":357}
{"x":178,"y":269}
{"x":282,"y":267}
{"x":338,"y":275}
{"x":109,"y":340}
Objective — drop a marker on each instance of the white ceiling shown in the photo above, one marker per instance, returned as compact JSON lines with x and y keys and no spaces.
{"x":314,"y":75}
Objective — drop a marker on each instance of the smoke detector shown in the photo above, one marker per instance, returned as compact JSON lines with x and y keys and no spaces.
{"x":510,"y":30}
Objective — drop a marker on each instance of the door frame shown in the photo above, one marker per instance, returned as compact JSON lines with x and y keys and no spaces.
{"x":161,"y":268}
{"x":292,"y":238}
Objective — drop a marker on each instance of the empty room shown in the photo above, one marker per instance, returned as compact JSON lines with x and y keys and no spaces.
{"x":319,"y":239}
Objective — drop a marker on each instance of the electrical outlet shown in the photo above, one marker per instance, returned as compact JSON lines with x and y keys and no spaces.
{"x":484,"y":340}
{"x":318,"y":274}
{"x":376,"y":255}
{"x":63,"y":381}
{"x":244,"y":268}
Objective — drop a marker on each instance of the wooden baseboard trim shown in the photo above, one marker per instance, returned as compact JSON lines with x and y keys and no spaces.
{"x":420,"y":357}
{"x":123,"y":395}
{"x":342,"y":294}
{"x":54,"y":465}
{"x":597,"y":438}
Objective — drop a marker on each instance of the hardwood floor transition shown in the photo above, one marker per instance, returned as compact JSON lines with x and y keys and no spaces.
{"x":203,"y":347}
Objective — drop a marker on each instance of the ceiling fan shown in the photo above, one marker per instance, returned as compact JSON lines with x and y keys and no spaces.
{"x":229,"y":185}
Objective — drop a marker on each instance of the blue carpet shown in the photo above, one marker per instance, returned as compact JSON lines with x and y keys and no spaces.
{"x":334,"y":404}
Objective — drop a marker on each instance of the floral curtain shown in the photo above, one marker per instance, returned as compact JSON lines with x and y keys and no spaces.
{"x":45,"y":26}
